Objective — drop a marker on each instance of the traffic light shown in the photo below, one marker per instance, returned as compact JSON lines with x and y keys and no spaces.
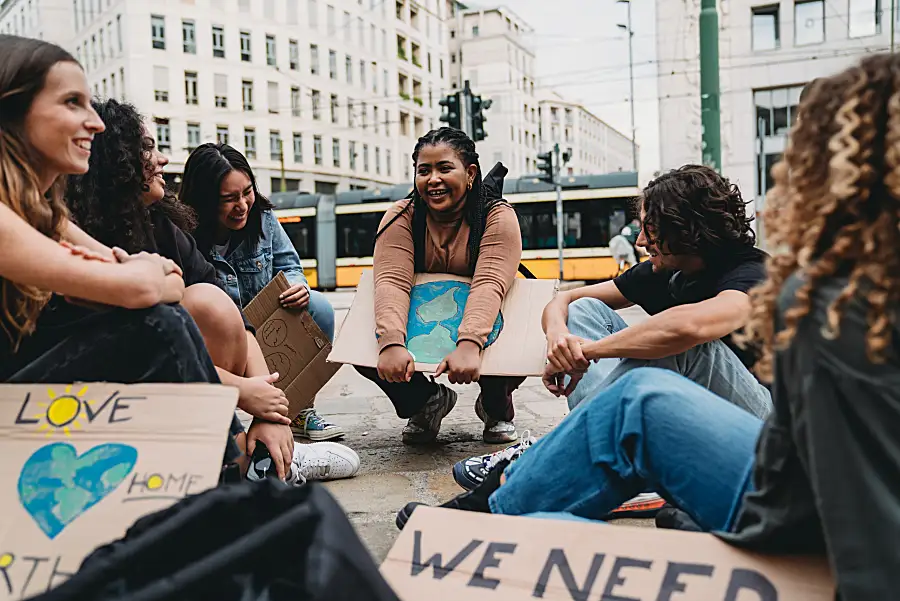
{"x":478,"y":118}
{"x":545,"y":166}
{"x":451,"y":116}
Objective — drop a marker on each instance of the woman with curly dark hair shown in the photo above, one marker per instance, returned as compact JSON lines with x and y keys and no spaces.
{"x":122,"y":201}
{"x":702,"y":263}
{"x":820,"y":475}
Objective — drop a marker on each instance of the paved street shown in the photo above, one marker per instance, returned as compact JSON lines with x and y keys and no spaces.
{"x":393,"y":473}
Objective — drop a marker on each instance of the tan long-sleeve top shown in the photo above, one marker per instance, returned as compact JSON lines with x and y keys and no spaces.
{"x":446,"y":251}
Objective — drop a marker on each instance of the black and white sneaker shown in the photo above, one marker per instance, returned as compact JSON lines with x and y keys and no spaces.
{"x":471,"y":472}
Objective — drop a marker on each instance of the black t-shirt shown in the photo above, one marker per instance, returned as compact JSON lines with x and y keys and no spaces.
{"x":657,"y":291}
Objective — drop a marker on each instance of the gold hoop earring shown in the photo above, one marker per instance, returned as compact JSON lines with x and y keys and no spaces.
{"x":469,"y":187}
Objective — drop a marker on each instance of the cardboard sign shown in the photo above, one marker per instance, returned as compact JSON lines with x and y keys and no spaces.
{"x":292,"y":344}
{"x":517,"y":345}
{"x":82,"y":462}
{"x":447,"y":555}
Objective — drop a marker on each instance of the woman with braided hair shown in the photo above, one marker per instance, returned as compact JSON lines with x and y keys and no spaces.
{"x":448,"y":225}
{"x":820,"y":474}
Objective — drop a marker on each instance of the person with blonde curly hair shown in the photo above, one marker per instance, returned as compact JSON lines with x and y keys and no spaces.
{"x":820,"y":474}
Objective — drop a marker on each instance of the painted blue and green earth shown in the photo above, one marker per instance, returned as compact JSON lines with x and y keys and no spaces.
{"x":435,"y":314}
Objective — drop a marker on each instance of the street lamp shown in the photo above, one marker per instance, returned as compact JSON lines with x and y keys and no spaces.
{"x":627,"y":28}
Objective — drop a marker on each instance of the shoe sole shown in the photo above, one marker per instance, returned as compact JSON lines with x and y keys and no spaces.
{"x":461,"y":478}
{"x":317,"y":437}
{"x":403,"y":517}
{"x":647,"y":509}
{"x":503,"y":438}
{"x":429,"y":435}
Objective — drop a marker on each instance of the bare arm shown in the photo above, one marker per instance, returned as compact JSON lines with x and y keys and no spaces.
{"x":675,"y":330}
{"x":28,"y":257}
{"x":256,"y":363}
{"x":556,"y":313}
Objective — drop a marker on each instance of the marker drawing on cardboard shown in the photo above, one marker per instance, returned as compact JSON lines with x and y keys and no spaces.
{"x":516,"y":345}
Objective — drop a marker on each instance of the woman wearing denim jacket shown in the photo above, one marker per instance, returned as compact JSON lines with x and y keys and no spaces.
{"x":243,"y":239}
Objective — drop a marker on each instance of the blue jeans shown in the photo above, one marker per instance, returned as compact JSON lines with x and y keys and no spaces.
{"x":712,"y":365}
{"x":322,"y":312}
{"x":651,"y":430}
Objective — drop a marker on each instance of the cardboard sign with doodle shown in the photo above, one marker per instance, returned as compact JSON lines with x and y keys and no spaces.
{"x":82,"y":462}
{"x":293,"y":345}
{"x":446,"y":555}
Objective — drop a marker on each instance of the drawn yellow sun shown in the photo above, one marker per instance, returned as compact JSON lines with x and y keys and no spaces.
{"x":63,"y":411}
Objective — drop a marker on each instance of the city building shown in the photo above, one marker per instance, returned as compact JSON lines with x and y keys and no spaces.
{"x":594,"y":146}
{"x":767,"y":52}
{"x":330,"y":93}
{"x":489,"y":49}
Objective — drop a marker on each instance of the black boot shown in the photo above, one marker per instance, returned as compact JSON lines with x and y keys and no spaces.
{"x":672,"y":518}
{"x":474,"y":500}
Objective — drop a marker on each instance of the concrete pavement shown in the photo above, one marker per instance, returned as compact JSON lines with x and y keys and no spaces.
{"x":392,"y":473}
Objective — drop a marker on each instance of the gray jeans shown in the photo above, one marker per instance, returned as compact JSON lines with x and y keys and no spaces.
{"x":712,"y":365}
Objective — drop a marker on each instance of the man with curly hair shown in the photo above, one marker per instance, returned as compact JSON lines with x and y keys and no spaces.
{"x":702,"y":263}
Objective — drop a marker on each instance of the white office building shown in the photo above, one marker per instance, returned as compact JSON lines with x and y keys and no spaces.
{"x":331,"y":93}
{"x":767,"y":52}
{"x":489,"y":49}
{"x":594,"y":145}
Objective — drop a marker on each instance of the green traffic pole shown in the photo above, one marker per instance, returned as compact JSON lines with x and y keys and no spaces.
{"x":709,"y":84}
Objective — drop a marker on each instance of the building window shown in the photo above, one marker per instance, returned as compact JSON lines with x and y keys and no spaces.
{"x":222,"y":134}
{"x":363,"y":112}
{"x":316,"y":105}
{"x":218,"y":41}
{"x":190,"y":88}
{"x":865,"y":18}
{"x":776,"y":112}
{"x":275,"y":145}
{"x":250,"y":142}
{"x":193,"y":136}
{"x":189,"y":37}
{"x":295,"y":101}
{"x":317,"y":149}
{"x":366,"y":158}
{"x":298,"y":148}
{"x":163,"y":136}
{"x":270,"y":51}
{"x":220,"y":83}
{"x":362,"y":74}
{"x":375,"y":118}
{"x":377,"y":160}
{"x":312,"y":8}
{"x":160,"y":84}
{"x":809,"y":22}
{"x":766,"y":28}
{"x":334,"y":108}
{"x":313,"y":59}
{"x":348,"y":66}
{"x":273,"y":97}
{"x":351,"y":121}
{"x":247,"y":94}
{"x":336,"y":152}
{"x":158,"y":31}
{"x":352,"y":151}
{"x":387,"y":161}
{"x":474,"y":31}
{"x":245,"y":47}
{"x":332,"y":64}
{"x":294,"y":55}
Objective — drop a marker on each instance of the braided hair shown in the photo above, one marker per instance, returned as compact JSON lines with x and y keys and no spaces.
{"x":478,"y":205}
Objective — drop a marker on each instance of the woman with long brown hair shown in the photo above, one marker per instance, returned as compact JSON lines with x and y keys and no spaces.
{"x":821,"y":474}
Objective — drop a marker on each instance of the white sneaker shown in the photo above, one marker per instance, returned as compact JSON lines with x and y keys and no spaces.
{"x":322,"y":461}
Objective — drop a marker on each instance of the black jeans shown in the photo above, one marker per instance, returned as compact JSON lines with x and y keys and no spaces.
{"x":161,"y":344}
{"x":409,"y":397}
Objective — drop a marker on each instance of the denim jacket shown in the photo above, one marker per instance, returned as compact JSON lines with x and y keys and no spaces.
{"x":254,"y":263}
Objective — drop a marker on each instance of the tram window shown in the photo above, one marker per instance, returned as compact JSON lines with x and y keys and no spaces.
{"x":356,"y":234}
{"x":303,"y":234}
{"x":586,"y":224}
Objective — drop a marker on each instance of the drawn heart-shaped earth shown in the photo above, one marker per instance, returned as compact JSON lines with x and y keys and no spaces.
{"x":57,"y":485}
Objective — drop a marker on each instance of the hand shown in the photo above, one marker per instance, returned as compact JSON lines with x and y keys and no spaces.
{"x":167,"y":265}
{"x":86,"y":253}
{"x":295,"y":297}
{"x":278,"y":438}
{"x":260,"y":398}
{"x":395,"y":364}
{"x":566,"y":353}
{"x":462,"y":366}
{"x":555,"y":381}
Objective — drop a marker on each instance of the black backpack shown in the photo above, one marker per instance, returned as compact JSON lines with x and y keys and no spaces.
{"x":252,"y":541}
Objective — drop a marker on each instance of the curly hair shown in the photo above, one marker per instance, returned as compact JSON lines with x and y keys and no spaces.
{"x":106,"y":201}
{"x":23,"y":72}
{"x":475,"y":212}
{"x":835,"y":207}
{"x":693,"y":210}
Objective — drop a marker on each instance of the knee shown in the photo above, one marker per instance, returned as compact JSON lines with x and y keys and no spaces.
{"x":214,"y":311}
{"x":322,"y":312}
{"x":587,"y":311}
